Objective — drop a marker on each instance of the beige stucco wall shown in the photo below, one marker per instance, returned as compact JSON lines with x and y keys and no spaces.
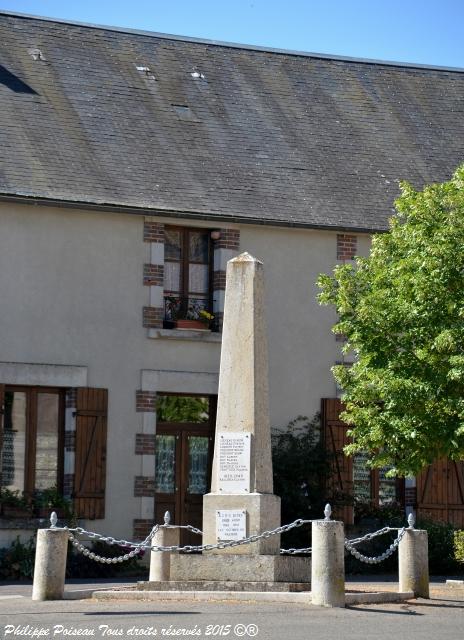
{"x":71,"y":292}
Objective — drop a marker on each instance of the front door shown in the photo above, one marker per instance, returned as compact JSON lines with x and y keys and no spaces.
{"x":183,"y":459}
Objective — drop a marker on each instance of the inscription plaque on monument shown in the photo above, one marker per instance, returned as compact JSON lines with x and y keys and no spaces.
{"x":234,"y":462}
{"x":230,"y":524}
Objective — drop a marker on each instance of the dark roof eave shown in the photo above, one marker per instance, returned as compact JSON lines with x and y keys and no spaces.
{"x":192,"y":215}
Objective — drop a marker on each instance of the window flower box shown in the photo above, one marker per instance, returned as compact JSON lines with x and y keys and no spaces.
{"x":193,"y":325}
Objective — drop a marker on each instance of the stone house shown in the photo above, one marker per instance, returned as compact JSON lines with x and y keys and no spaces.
{"x":133,"y":166}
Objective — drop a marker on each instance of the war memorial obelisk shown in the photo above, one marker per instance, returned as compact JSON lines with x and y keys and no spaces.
{"x":241,"y":502}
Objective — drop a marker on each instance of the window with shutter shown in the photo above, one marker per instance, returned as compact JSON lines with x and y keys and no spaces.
{"x":31,"y":438}
{"x":351,"y":480}
{"x":90,"y":461}
{"x":340,"y":484}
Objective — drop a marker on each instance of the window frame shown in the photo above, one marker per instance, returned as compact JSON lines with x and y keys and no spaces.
{"x":30,"y":449}
{"x":374,"y":488}
{"x":184,"y":293}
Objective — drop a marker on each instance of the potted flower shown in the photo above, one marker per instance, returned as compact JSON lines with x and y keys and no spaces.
{"x":196,"y":319}
{"x":14,"y":504}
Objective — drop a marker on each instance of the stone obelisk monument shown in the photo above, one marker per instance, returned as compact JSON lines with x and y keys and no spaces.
{"x":241,"y":502}
{"x":242,"y":468}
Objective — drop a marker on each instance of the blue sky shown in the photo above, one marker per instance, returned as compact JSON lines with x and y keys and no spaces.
{"x":426,"y":31}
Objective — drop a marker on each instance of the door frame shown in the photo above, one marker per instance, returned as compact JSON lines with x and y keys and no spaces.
{"x":182,"y":431}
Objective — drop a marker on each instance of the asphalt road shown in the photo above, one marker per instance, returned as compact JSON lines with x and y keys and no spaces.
{"x":441,"y":617}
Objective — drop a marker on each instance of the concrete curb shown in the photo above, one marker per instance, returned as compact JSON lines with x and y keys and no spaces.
{"x":79,"y":594}
{"x":250,"y":596}
{"x":455,"y":584}
{"x":378,"y":597}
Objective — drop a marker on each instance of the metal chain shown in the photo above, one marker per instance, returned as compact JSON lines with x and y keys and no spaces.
{"x":183,"y":526}
{"x":137,"y":547}
{"x":109,"y":540}
{"x":370,"y":536}
{"x":349,"y":545}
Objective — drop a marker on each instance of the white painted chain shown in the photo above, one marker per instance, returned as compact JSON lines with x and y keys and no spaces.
{"x":369,"y":536}
{"x":350,"y":546}
{"x":109,"y":540}
{"x":137,"y":547}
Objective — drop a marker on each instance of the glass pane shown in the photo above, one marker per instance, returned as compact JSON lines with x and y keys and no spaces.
{"x":165,"y":464}
{"x":14,"y":441}
{"x":198,"y":246}
{"x":198,"y":278}
{"x":195,"y":305}
{"x":172,"y":244}
{"x":46,"y":455}
{"x":387,"y":487}
{"x":361,"y":478}
{"x":172,"y":276}
{"x":198,"y":464}
{"x":182,"y":409}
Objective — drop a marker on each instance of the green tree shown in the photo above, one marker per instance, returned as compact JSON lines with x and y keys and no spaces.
{"x":402,"y":312}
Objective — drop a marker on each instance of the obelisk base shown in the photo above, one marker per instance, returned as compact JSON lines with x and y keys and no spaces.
{"x":262,"y":514}
{"x":240,"y":569}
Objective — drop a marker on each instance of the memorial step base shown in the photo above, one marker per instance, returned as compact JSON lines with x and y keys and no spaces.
{"x":240,"y":568}
{"x":221,"y":585}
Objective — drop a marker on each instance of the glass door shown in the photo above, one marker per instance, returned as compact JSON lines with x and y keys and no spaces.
{"x":183,"y":460}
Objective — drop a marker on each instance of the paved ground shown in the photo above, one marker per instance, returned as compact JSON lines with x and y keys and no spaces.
{"x":441,"y":617}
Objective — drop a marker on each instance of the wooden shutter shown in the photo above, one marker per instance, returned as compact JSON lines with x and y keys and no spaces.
{"x":440,"y":492}
{"x":340,"y":482}
{"x":2,"y":411}
{"x":90,"y":466}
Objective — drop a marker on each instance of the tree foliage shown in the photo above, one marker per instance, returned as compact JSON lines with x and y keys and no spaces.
{"x":182,"y":409}
{"x":402,"y":312}
{"x":300,"y":466}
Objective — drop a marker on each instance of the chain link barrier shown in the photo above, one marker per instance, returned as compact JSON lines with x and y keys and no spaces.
{"x":350,"y":546}
{"x":138,"y":547}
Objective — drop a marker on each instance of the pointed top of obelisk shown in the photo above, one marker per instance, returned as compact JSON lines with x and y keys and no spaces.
{"x":245,"y":257}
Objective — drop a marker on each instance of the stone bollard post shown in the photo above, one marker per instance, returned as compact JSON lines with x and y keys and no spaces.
{"x":413,"y":559}
{"x":160,"y":561}
{"x":328,"y":562}
{"x":50,"y":563}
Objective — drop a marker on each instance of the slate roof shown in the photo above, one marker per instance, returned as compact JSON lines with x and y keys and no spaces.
{"x":107,"y":117}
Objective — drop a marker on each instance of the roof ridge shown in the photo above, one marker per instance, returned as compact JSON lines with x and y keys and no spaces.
{"x":235,"y":45}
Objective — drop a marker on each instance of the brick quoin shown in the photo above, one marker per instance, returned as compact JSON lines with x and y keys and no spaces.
{"x":141,"y":528}
{"x":68,"y":484}
{"x":153,"y":317}
{"x":153,"y":231}
{"x":71,"y":398}
{"x":346,"y":246}
{"x":410,"y":496}
{"x":145,"y":401}
{"x":70,"y":440}
{"x":144,"y":444}
{"x":230,"y":239}
{"x":144,"y":487}
{"x":219,"y":280}
{"x":153,"y":274}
